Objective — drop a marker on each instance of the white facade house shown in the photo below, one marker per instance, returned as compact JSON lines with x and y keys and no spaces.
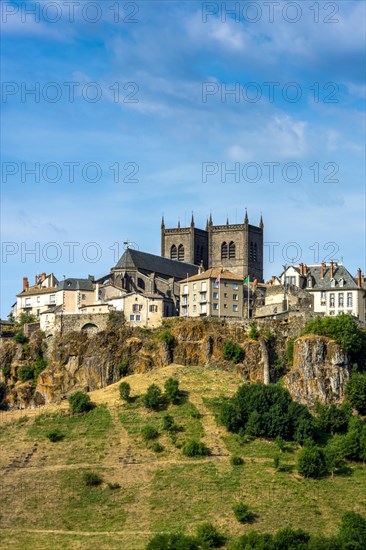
{"x":334,"y":289}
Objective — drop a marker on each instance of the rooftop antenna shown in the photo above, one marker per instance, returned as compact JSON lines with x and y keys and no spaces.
{"x":130,"y":244}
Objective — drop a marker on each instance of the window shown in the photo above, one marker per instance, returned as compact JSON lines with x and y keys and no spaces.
{"x":255,"y":252}
{"x":194,"y":297}
{"x":215,"y":295}
{"x":141,"y":283}
{"x":27,"y":301}
{"x":340,"y":299}
{"x":138,"y":318}
{"x":341,"y":282}
{"x":132,"y":317}
{"x":38,"y":312}
{"x":331,"y":300}
{"x":215,"y":307}
{"x":224,"y":251}
{"x":185,"y":301}
{"x":225,"y":294}
{"x":203,"y":287}
{"x":235,"y":307}
{"x":136,"y":307}
{"x":203,"y":308}
{"x":310,"y":283}
{"x":153,"y":309}
{"x":225,"y":284}
{"x":251,"y":252}
{"x":349,"y":299}
{"x":203,"y":297}
{"x":323,"y":295}
{"x":235,"y":297}
{"x":290,"y":281}
{"x":185,"y":289}
{"x":181,"y":253}
{"x":225,"y":306}
{"x":173,"y":252}
{"x":332,"y":312}
{"x":195,"y":308}
{"x":332,"y":283}
{"x":194,"y":286}
{"x":38,"y":299}
{"x":235,"y":286}
{"x":83,"y":297}
{"x":216,"y":284}
{"x":231,"y":250}
{"x":53,"y":298}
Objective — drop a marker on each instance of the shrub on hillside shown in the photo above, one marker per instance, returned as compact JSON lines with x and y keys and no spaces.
{"x":311,"y":462}
{"x":123,"y":368}
{"x":149,"y":432}
{"x":25,"y":372}
{"x":91,"y":479}
{"x":209,"y":537}
{"x":352,"y":533}
{"x":124,"y":391}
{"x":153,"y":398}
{"x":243,"y":513}
{"x":7,"y":371}
{"x":80,"y":402}
{"x":55,"y":435}
{"x":157,"y":447}
{"x":356,"y":392}
{"x":173,"y":541}
{"x":20,"y":338}
{"x":253,"y":332}
{"x":171,"y":387}
{"x":236,"y":461}
{"x":168,"y":423}
{"x":233,"y":352}
{"x":195,"y":448}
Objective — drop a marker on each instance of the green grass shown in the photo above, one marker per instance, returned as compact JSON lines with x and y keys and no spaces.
{"x":159,"y":491}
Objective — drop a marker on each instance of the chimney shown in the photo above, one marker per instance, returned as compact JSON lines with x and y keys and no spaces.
{"x":301,"y":266}
{"x":43,"y":276}
{"x":322,"y":270}
{"x":25,"y":283}
{"x":331,"y":273}
{"x":359,"y":276}
{"x":362,"y":278}
{"x":305,"y":270}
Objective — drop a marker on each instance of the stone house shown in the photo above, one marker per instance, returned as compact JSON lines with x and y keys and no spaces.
{"x":213,"y":293}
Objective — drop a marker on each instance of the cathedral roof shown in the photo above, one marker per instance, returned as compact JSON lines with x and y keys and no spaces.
{"x":135,"y":259}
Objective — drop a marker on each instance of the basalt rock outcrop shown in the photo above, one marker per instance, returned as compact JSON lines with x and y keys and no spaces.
{"x":320,"y":371}
{"x":81,"y":361}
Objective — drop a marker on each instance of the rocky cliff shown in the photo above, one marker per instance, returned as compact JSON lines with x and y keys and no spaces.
{"x":87,"y":362}
{"x":320,"y":371}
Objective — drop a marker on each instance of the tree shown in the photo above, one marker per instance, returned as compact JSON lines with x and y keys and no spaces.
{"x":80,"y":402}
{"x":334,"y":455}
{"x":173,"y":541}
{"x":20,"y":338}
{"x":353,"y":531}
{"x":233,"y":352}
{"x":153,"y":398}
{"x":172,"y":390}
{"x":356,"y":392}
{"x":209,"y":537}
{"x":25,"y":372}
{"x":311,"y":462}
{"x":124,"y":391}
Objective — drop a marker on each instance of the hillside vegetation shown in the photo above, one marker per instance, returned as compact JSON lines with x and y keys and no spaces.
{"x":118,"y":474}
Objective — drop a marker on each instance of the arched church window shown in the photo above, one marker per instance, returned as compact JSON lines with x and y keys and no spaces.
{"x":224,"y":251}
{"x":255,"y":252}
{"x":231,"y":250}
{"x":173,"y":252}
{"x":251,"y":252}
{"x":181,"y":253}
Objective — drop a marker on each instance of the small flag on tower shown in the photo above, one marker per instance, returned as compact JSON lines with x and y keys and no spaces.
{"x":246,"y":280}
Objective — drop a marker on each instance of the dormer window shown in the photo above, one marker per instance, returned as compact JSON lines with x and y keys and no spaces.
{"x":332,"y":283}
{"x":341,"y":282}
{"x":310,"y":283}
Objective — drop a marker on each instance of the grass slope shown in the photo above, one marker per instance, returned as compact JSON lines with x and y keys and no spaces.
{"x":46,"y":505}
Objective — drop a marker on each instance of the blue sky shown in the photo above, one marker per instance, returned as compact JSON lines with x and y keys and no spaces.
{"x":169,"y":117}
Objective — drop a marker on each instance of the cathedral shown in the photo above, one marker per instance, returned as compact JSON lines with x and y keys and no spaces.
{"x":236,"y":247}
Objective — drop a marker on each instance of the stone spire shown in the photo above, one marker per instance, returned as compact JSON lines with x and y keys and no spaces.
{"x":246,"y":220}
{"x":227,"y":220}
{"x":162,"y":222}
{"x":261,"y":224}
{"x":192,"y":221}
{"x":178,"y":223}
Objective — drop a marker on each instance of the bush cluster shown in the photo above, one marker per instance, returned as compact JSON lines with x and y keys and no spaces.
{"x":266,"y":411}
{"x":195,"y":448}
{"x":351,"y":536}
{"x":92,"y":479}
{"x":124,"y":391}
